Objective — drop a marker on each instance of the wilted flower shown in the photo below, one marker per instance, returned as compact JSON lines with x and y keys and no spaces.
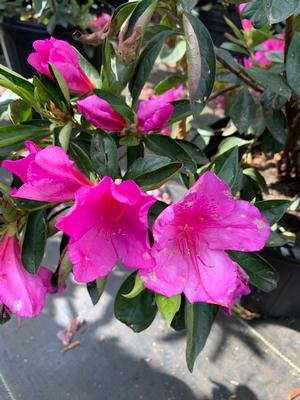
{"x":48,"y":174}
{"x":190,"y":239}
{"x":107,"y":222}
{"x":61,"y":54}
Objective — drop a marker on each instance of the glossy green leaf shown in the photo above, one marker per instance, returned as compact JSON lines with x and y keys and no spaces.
{"x":117,"y":103}
{"x":137,"y":288}
{"x":12,"y":134}
{"x":152,"y":172}
{"x":81,"y":158}
{"x":243,"y":110}
{"x":231,"y":142}
{"x":140,"y":16}
{"x":96,"y":289}
{"x":226,"y":166}
{"x":134,"y":152}
{"x":146,"y":62}
{"x":270,"y":80}
{"x":256,"y":176}
{"x":193,"y":151}
{"x":182,"y":109}
{"x":137,"y":313}
{"x":60,"y":81}
{"x":155,"y":210}
{"x":256,"y":12}
{"x":104,"y":155}
{"x":261,"y":273}
{"x":168,"y":306}
{"x":199,"y":319}
{"x":273,"y":210}
{"x":293,"y":64}
{"x":65,"y":135}
{"x":89,"y":69}
{"x":201,"y":61}
{"x":166,"y":146}
{"x":19,"y":111}
{"x":34,"y":242}
{"x":277,"y":125}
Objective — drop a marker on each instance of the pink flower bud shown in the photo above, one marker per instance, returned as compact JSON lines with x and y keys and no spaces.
{"x":61,"y":54}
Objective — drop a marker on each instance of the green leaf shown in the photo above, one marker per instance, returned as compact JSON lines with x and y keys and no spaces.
{"x":12,"y":134}
{"x":104,"y":155}
{"x":137,"y":313}
{"x":89,"y":69}
{"x":256,"y":12}
{"x":188,"y":5}
{"x":146,"y":62}
{"x":46,"y":90}
{"x":152,"y":172}
{"x":96,"y":289}
{"x":16,"y":79}
{"x":193,"y":151}
{"x":154,"y":211}
{"x":231,"y":142}
{"x":182,"y":109}
{"x":243,"y":110}
{"x":81,"y":158}
{"x":166,"y":146}
{"x":133,"y":153}
{"x":60,"y":81}
{"x":277,"y":125}
{"x":293,"y":64}
{"x":34,"y":242}
{"x":273,"y":210}
{"x":199,"y":319}
{"x":137,"y":288}
{"x":226,"y":166}
{"x":19,"y":111}
{"x":261,"y":273}
{"x":4,"y":315}
{"x":201,"y":60}
{"x":65,"y":135}
{"x":254,"y":174}
{"x":168,"y":306}
{"x":270,"y":80}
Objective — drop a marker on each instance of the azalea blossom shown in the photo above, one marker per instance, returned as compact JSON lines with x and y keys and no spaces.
{"x":260,"y":56}
{"x":190,"y":239}
{"x":101,"y":21}
{"x":108,"y":222}
{"x":153,"y":114}
{"x":21,"y":293}
{"x":100,"y":113}
{"x":62,"y":55}
{"x":48,"y":174}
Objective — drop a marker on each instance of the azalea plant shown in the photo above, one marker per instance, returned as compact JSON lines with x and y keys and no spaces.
{"x":85,"y":149}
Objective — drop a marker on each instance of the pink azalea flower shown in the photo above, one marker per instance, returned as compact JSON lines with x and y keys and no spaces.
{"x":46,"y":276}
{"x":61,"y":54}
{"x":153,"y":114}
{"x":48,"y":175}
{"x":246,"y":23}
{"x":190,"y":239}
{"x":100,"y":113}
{"x":22,"y":293}
{"x":266,"y":47}
{"x":107,"y":222}
{"x":101,"y":21}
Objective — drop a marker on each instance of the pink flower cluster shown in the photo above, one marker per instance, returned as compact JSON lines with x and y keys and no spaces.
{"x":108,"y":222}
{"x":101,"y":21}
{"x":152,"y":115}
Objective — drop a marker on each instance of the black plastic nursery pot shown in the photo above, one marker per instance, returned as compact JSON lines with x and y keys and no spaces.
{"x":284,"y":301}
{"x":17,"y":38}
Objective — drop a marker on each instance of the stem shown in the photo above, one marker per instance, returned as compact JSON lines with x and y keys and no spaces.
{"x":221,"y":92}
{"x":242,"y":75}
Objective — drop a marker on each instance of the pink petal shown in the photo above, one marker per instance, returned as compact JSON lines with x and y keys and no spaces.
{"x":245,"y":229}
{"x":20,"y":167}
{"x":100,"y":113}
{"x":23,"y":294}
{"x":153,"y":115}
{"x":103,"y":224}
{"x":52,"y":177}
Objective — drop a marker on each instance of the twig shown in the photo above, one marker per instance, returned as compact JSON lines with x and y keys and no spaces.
{"x":223,"y":91}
